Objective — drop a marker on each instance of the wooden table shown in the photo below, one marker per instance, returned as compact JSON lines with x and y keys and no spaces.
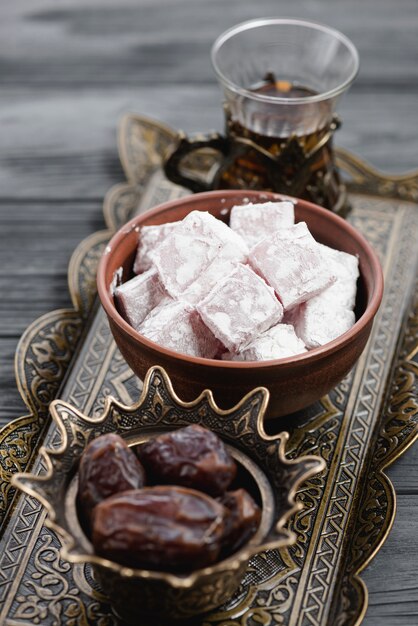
{"x":69,"y":70}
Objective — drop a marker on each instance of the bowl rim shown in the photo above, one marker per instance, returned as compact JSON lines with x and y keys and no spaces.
{"x":312,"y":355}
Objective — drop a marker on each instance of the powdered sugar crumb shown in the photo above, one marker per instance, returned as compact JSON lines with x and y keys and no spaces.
{"x":116,"y":280}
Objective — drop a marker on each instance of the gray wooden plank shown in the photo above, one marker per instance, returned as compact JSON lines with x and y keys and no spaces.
{"x":63,"y":145}
{"x":38,"y":239}
{"x":100,"y":42}
{"x":391,"y":577}
{"x":31,"y":299}
{"x":403,"y":473}
{"x":11,"y":404}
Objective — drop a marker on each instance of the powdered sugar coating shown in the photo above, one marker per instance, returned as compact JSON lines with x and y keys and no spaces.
{"x":317,"y":323}
{"x":257,"y":221}
{"x":208,"y":279}
{"x":178,"y":326}
{"x":291,"y":262}
{"x":329,"y":314}
{"x":346,"y":269}
{"x":346,"y":265}
{"x":277,"y":342}
{"x":190,"y":248}
{"x":137,"y":297}
{"x":116,"y":280}
{"x":150,"y":237}
{"x":239,"y":308}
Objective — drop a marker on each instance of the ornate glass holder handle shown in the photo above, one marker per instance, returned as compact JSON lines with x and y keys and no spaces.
{"x":183,"y":147}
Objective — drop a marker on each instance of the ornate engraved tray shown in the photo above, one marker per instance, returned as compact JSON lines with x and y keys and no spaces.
{"x":361,"y":427}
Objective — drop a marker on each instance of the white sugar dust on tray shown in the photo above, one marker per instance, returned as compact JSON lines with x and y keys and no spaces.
{"x":259,"y":289}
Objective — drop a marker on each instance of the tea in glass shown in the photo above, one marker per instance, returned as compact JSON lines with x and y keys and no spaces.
{"x":281,"y":80}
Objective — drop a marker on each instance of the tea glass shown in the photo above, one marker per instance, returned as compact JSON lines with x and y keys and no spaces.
{"x":281,"y":81}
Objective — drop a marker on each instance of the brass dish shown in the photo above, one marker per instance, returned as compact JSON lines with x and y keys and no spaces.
{"x":270,"y":475}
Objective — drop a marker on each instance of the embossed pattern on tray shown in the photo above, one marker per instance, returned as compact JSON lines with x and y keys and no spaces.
{"x":317,"y":581}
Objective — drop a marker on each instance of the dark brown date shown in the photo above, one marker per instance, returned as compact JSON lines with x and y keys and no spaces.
{"x":107,"y":466}
{"x":242,"y":521}
{"x":192,"y":457}
{"x":166,"y":528}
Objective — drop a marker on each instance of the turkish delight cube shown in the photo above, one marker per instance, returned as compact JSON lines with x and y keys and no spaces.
{"x":256,"y":221}
{"x":149,"y":238}
{"x":178,"y":326}
{"x":206,"y":225}
{"x":190,"y":248}
{"x":317,"y":323}
{"x":240,"y":307}
{"x":211,"y":276}
{"x":136,"y":298}
{"x":278,"y":342}
{"x":346,"y":269}
{"x":346,"y":265}
{"x":297,"y":232}
{"x":291,"y":261}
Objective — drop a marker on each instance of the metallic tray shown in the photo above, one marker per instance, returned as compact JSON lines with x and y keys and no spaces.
{"x":361,"y":427}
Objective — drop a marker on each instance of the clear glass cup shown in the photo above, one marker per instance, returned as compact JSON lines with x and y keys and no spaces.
{"x":317,"y":58}
{"x":281,"y":80}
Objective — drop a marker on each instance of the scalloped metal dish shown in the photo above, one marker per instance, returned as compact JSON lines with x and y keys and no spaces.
{"x":359,"y":429}
{"x":156,"y":593}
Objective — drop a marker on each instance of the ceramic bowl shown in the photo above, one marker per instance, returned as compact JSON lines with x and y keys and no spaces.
{"x":263,"y":470}
{"x":294,"y":382}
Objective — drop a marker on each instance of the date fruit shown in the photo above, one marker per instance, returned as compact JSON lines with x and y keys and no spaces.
{"x":166,"y":528}
{"x":107,"y":466}
{"x":242,"y":521}
{"x":192,"y":457}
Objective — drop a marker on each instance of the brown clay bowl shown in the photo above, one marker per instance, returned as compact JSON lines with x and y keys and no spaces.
{"x":295,"y":382}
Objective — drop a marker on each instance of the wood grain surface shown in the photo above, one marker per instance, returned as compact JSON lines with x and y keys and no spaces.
{"x":70,"y":69}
